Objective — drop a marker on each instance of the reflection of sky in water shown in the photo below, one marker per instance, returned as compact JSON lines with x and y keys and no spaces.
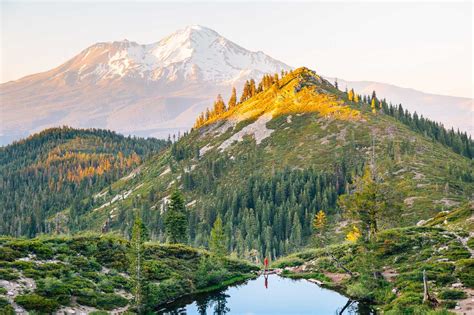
{"x":283,"y":296}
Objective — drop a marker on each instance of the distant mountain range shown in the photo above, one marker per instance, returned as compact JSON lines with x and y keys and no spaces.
{"x":159,"y":89}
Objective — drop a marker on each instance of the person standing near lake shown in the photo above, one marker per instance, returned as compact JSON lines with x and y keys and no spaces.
{"x":265,"y":264}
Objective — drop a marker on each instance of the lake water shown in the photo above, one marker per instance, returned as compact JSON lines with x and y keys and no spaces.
{"x":268,"y":295}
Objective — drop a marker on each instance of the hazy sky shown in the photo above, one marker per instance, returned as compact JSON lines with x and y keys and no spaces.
{"x":427,"y":45}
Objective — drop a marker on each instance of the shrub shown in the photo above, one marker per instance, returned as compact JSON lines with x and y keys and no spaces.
{"x":470,"y":243}
{"x":77,"y":283}
{"x":5,"y":307}
{"x":107,"y":301}
{"x":210,"y":272}
{"x":120,"y":282}
{"x":110,"y":301}
{"x":465,"y":272}
{"x":157,"y":270}
{"x":84,"y":264}
{"x":37,"y":303}
{"x":167,"y":290}
{"x":8,"y":254}
{"x":8,"y":274}
{"x":3,"y":302}
{"x":106,"y":286}
{"x":405,"y":303}
{"x":449,"y":304}
{"x":54,"y":288}
{"x":452,"y":295}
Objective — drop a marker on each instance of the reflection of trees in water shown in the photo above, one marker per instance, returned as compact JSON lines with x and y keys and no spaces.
{"x":354,"y":308}
{"x":217,"y":302}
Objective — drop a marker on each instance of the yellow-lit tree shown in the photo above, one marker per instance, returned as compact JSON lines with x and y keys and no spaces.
{"x":353,"y":234}
{"x":319,"y":226}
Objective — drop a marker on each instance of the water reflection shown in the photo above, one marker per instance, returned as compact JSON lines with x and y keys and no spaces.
{"x":283,"y":296}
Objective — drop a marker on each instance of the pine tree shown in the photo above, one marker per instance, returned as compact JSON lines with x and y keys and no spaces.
{"x":373,"y":106}
{"x":356,"y":98}
{"x":350,"y":95}
{"x":319,"y":221}
{"x":245,"y":92}
{"x":232,"y":99}
{"x":219,"y":106}
{"x":217,"y":242}
{"x":319,"y":227}
{"x":176,"y":223}
{"x":370,"y":200}
{"x":252,"y":88}
{"x":136,"y":263}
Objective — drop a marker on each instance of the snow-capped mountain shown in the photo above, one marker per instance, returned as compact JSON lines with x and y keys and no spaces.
{"x":148,"y":90}
{"x":159,"y":89}
{"x":194,"y":53}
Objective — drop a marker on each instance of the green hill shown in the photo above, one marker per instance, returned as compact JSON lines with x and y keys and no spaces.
{"x":59,"y":167}
{"x":287,"y":150}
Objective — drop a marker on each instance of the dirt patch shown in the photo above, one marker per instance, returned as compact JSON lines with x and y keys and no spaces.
{"x":389,"y":274}
{"x":410,"y":201}
{"x":418,"y":176}
{"x":337,"y":277}
{"x":466,"y":306}
{"x":446,"y":202}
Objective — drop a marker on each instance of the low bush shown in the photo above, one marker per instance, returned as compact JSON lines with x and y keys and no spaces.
{"x":452,"y":295}
{"x":9,"y":274}
{"x":34,"y":302}
{"x":465,"y":272}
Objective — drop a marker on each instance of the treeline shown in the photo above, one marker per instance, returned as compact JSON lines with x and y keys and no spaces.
{"x":59,"y":167}
{"x":458,"y":141}
{"x":249,"y":90}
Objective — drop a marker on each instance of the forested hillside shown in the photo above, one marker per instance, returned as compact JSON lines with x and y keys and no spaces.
{"x":266,"y":162}
{"x":60,"y":167}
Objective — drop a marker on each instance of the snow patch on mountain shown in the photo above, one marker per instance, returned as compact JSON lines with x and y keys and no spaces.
{"x":193,"y":53}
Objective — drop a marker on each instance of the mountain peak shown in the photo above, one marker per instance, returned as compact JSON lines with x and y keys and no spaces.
{"x":298,"y":92}
{"x":194,"y":53}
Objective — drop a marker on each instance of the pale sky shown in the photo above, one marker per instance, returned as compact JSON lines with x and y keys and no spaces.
{"x":426,"y":45}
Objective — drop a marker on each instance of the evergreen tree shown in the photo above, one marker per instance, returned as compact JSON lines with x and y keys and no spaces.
{"x":350,"y":95}
{"x":370,"y":200}
{"x":136,"y":263}
{"x":232,"y":99}
{"x":217,"y":242}
{"x":319,"y":226}
{"x":373,"y":106}
{"x":219,"y":106}
{"x":176,"y":223}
